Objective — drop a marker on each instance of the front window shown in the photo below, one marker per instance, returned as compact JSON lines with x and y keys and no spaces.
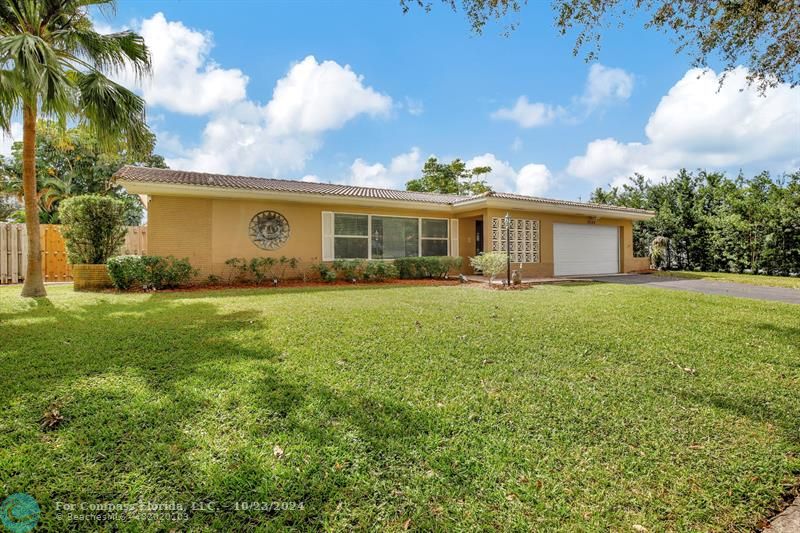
{"x":394,"y":237}
{"x":351,"y":236}
{"x":434,"y":237}
{"x":384,"y":237}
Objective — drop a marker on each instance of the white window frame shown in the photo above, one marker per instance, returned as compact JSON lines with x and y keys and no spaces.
{"x":369,"y":234}
{"x":446,"y":238}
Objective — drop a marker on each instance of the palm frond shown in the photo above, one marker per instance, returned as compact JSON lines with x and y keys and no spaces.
{"x":114,"y":113}
{"x":40,"y":72}
{"x":9,"y":97}
{"x":111,"y":53}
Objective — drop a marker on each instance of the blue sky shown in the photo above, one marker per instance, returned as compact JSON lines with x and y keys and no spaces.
{"x":358,"y":92}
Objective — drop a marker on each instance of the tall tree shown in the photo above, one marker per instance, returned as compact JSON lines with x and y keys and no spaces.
{"x":70,"y":162}
{"x":450,"y":178}
{"x":762,"y":34}
{"x":716,"y":223}
{"x":54,"y":64}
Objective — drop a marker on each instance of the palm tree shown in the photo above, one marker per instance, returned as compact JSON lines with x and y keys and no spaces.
{"x":54,"y":190}
{"x":53,"y":63}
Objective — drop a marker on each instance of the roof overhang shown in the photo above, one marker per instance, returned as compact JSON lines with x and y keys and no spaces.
{"x":551,"y":207}
{"x":483,"y":202}
{"x":170,"y":189}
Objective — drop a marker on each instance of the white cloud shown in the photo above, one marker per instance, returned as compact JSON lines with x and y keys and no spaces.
{"x":700,"y":124}
{"x":606,"y":85}
{"x":243,"y":135}
{"x":414,"y":107}
{"x":314,"y":97}
{"x":184,"y":79}
{"x":532,"y":179}
{"x":529,"y":115}
{"x":250,"y":138}
{"x":402,"y":168}
{"x":517,"y":145}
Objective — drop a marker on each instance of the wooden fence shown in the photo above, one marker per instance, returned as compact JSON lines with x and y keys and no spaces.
{"x":55,"y":267}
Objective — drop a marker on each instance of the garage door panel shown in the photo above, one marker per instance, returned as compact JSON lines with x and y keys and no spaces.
{"x":585,"y":249}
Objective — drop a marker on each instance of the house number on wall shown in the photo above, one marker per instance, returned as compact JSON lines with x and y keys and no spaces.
{"x":269,"y":230}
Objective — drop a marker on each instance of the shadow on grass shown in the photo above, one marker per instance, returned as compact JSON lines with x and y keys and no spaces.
{"x":758,"y":407}
{"x":786,"y":334}
{"x":170,"y":400}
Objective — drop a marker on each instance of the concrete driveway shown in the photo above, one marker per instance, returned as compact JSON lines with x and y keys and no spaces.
{"x":740,"y":290}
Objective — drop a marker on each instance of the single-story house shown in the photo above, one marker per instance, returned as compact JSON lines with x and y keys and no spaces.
{"x":210,"y":218}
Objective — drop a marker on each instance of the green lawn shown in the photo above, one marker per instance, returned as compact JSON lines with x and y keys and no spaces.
{"x":750,"y":279}
{"x":580,"y":407}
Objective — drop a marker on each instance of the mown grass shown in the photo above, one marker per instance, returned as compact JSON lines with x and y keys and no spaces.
{"x":749,"y":279}
{"x":576,"y":407}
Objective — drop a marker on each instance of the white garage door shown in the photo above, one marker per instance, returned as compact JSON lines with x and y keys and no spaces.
{"x":585,"y":249}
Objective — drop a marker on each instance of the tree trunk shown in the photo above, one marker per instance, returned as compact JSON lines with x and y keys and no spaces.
{"x":34,"y":284}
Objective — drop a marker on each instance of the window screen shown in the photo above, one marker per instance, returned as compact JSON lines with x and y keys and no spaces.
{"x":350,"y":236}
{"x":434,"y":237}
{"x":394,"y":237}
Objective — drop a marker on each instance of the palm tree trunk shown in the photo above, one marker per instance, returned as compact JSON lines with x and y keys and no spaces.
{"x":34,"y":284}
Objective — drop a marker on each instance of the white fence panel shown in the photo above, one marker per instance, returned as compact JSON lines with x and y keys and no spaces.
{"x":14,"y":250}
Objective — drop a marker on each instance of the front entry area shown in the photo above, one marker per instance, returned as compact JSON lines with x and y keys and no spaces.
{"x":585,"y":249}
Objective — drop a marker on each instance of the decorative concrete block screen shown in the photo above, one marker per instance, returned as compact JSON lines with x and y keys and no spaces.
{"x":524,"y":244}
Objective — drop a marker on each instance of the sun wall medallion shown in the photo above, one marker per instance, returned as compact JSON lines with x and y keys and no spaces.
{"x":269,"y":230}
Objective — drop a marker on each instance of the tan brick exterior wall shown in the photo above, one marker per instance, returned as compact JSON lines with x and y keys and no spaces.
{"x":181,"y":227}
{"x":90,"y":277}
{"x":545,"y":267}
{"x":210,"y":231}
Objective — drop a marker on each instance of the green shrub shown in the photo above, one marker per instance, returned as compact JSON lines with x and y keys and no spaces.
{"x":149,"y":271}
{"x":166,"y":272}
{"x":125,"y":271}
{"x":658,"y":252}
{"x":285,"y":264}
{"x":455,"y":265}
{"x":262,"y":268}
{"x":379,"y":271}
{"x":324,"y":272}
{"x":349,"y":269}
{"x":426,"y":267}
{"x":93,"y":227}
{"x":490,"y":263}
{"x":406,"y":267}
{"x":238,"y":269}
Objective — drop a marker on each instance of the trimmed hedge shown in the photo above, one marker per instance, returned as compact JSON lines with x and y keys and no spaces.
{"x":349,"y":269}
{"x":125,"y":271}
{"x":379,"y":271}
{"x":149,"y":272}
{"x":93,"y":227}
{"x":426,"y":267}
